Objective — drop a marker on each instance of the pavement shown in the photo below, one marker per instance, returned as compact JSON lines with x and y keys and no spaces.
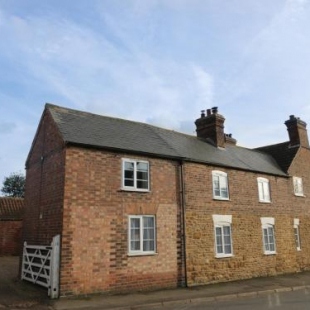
{"x":207,"y":293}
{"x":16,"y":294}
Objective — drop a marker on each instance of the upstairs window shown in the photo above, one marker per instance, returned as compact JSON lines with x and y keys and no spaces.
{"x":222,"y":232}
{"x":220,"y":185}
{"x":135,"y":175}
{"x":298,"y":187}
{"x":263,"y":190}
{"x":141,"y":239}
{"x":268,"y":235}
{"x":296,"y":234}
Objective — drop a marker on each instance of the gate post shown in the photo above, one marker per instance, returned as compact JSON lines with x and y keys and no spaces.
{"x":53,"y":290}
{"x":23,"y":260}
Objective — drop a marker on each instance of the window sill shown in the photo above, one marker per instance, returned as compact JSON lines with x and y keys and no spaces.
{"x":300,"y":195}
{"x":141,"y":254}
{"x":270,"y":253}
{"x":264,"y":201}
{"x":124,"y":189}
{"x":223,"y":255}
{"x":219,"y":198}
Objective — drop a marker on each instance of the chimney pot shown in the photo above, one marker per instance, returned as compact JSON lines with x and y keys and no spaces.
{"x":208,"y":112}
{"x":203,"y":113}
{"x":214,"y":110}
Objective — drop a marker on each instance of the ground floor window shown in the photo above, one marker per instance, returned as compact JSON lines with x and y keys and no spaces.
{"x":297,"y":235}
{"x":268,"y":235}
{"x":223,"y":238}
{"x":142,"y":234}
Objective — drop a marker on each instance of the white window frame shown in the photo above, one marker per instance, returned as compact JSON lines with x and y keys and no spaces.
{"x":222,"y":178}
{"x":141,"y":240}
{"x":267,"y":226}
{"x":220,"y":223}
{"x":135,"y":179}
{"x":297,"y":234}
{"x":263,"y":190}
{"x":298,"y":186}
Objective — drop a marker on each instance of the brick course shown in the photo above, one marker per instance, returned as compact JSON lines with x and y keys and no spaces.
{"x":96,"y":212}
{"x":10,"y":237}
{"x":44,"y":185}
{"x":11,"y":215}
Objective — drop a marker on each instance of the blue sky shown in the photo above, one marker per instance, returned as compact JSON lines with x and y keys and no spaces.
{"x":155,"y":61}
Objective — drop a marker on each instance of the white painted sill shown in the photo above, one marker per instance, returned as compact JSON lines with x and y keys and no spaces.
{"x":220,"y":198}
{"x":223,"y":255}
{"x":142,"y":254}
{"x":135,"y":190}
{"x":270,"y":253}
{"x":299,"y":195}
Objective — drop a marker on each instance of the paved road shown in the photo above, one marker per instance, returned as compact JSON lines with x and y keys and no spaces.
{"x":296,"y":300}
{"x":16,"y":294}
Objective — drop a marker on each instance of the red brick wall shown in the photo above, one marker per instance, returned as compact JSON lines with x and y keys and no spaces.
{"x":94,"y":243}
{"x":10,"y":237}
{"x":44,"y":185}
{"x":248,"y":258}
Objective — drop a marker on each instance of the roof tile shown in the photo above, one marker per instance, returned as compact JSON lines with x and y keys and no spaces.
{"x":98,"y":131}
{"x":11,"y":208}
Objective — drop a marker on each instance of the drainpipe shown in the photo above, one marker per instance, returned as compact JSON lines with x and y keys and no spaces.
{"x":183,"y":221}
{"x":39,"y":233}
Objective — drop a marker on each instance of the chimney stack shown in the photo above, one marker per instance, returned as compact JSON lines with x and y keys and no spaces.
{"x":211,"y":126}
{"x":297,"y":131}
{"x":229,"y":139}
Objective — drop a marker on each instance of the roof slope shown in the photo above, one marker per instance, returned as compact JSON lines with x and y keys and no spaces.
{"x":282,"y":153}
{"x":106,"y":132}
{"x":11,"y":208}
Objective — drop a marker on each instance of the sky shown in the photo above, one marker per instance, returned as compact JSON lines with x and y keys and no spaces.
{"x":154,"y":61}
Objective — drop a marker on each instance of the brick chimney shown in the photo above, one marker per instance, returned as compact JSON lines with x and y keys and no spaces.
{"x":211,"y":126}
{"x":297,"y":131}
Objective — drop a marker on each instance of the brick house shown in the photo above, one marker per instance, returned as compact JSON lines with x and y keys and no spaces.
{"x":11,"y":216}
{"x":140,"y":207}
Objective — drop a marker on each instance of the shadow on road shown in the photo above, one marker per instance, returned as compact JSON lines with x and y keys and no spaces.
{"x":15,"y":293}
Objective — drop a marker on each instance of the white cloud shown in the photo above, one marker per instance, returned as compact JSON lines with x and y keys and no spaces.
{"x":159,"y":61}
{"x":91,"y":71}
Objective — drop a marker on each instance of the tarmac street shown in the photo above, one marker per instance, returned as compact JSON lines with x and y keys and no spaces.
{"x":16,"y":294}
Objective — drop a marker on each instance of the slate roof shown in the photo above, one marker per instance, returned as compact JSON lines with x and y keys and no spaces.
{"x":92,"y":130}
{"x":282,"y":153}
{"x":11,"y":208}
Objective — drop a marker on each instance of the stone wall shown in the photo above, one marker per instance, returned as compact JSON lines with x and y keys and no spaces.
{"x":248,"y":258}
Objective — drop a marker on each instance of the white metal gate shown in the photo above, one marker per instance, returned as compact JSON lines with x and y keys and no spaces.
{"x":41,"y":265}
